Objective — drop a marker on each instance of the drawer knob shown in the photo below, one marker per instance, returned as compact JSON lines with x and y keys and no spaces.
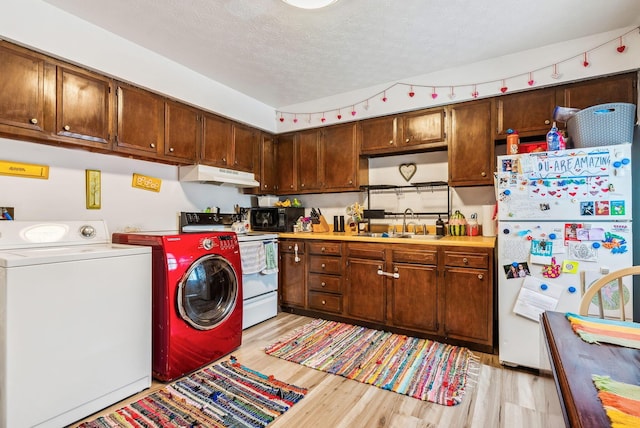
{"x":465,"y":261}
{"x":324,"y":302}
{"x":322,"y":249}
{"x":34,"y":121}
{"x":152,"y":145}
{"x":480,"y":276}
{"x":171,"y":149}
{"x":546,"y":122}
{"x":323,"y":284}
{"x":66,"y":127}
{"x":484,"y":174}
{"x":323,"y":265}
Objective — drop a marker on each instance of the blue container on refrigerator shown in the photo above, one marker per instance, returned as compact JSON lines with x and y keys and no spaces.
{"x":564,"y":220}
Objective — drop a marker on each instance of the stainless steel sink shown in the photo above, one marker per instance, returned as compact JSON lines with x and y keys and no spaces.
{"x":399,"y":235}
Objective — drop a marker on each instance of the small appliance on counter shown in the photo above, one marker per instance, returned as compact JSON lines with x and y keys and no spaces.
{"x":274,"y":219}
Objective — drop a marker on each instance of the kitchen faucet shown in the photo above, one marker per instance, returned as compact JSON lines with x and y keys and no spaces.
{"x":404,"y":220}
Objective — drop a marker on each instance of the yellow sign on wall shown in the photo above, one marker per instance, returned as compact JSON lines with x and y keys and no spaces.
{"x":24,"y":169}
{"x":146,"y":183}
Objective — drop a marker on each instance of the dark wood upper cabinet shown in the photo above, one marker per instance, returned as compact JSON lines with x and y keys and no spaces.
{"x":471,"y":145}
{"x":23,"y":82}
{"x":425,"y":129}
{"x":182,"y":132}
{"x":340,"y":159}
{"x":378,"y":135}
{"x":309,"y":160}
{"x":245,"y":145}
{"x":528,"y":113}
{"x":83,"y":108}
{"x":216,"y":140}
{"x":140,"y":122}
{"x":614,"y":89}
{"x":286,"y":163}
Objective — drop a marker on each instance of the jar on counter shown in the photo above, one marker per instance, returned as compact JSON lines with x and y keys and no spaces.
{"x":473,"y":228}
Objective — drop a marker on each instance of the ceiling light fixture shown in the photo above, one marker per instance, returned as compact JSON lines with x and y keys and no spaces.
{"x":309,"y":4}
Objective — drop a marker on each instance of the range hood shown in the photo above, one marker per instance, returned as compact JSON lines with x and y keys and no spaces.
{"x":216,"y":175}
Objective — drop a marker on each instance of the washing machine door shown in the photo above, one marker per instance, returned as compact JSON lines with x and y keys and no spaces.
{"x":208,"y":292}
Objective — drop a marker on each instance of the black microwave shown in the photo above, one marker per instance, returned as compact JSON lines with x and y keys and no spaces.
{"x":274,"y":219}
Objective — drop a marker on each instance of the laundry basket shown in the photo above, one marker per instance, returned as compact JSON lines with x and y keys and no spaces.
{"x":602,"y":125}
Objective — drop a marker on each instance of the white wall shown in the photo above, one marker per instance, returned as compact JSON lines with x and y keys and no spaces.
{"x":62,"y":195}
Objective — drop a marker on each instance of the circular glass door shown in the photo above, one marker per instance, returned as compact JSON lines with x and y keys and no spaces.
{"x":207,"y":295}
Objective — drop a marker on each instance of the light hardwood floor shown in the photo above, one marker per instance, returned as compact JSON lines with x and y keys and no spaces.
{"x":501,"y":398}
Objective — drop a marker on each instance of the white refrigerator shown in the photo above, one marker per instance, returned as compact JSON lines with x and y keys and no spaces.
{"x":564,"y":220}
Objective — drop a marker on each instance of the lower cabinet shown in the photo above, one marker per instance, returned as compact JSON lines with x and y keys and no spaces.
{"x":292,"y":273}
{"x":439,"y":292}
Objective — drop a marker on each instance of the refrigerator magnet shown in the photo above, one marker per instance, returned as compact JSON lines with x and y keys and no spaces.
{"x":569,"y":266}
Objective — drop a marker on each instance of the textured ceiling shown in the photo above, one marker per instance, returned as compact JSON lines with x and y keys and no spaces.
{"x":282,"y":56}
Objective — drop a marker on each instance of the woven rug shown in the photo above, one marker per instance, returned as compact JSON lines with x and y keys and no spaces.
{"x":223,"y":395}
{"x":621,"y":401}
{"x":420,"y":368}
{"x":596,"y":330}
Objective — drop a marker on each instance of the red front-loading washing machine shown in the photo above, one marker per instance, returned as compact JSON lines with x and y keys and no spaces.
{"x":196,"y":298}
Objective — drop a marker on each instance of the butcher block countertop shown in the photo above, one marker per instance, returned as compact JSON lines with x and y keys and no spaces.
{"x":462,"y":241}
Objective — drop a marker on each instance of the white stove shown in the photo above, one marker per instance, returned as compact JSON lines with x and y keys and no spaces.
{"x":259,"y":254}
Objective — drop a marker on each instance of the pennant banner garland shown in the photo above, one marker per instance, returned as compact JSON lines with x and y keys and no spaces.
{"x":451,"y":89}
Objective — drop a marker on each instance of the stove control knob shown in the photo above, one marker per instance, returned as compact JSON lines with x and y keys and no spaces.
{"x":207,"y":243}
{"x":87,"y":231}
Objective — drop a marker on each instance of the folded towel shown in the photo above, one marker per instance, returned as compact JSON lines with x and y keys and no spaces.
{"x":596,"y":330}
{"x":271,"y":258}
{"x":252,"y":256}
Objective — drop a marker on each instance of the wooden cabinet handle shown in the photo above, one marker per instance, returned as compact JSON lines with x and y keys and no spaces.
{"x":465,"y":261}
{"x":323,"y":266}
{"x":66,"y":127}
{"x":484,"y":174}
{"x":324,"y":302}
{"x":265,"y":186}
{"x":152,"y":145}
{"x":290,"y":247}
{"x":391,"y":142}
{"x":171,"y":149}
{"x":323,"y":284}
{"x":480,"y":276}
{"x":290,"y":186}
{"x":302,"y":185}
{"x":407,"y":140}
{"x":322,"y":249}
{"x":34,"y":121}
{"x":546,"y":122}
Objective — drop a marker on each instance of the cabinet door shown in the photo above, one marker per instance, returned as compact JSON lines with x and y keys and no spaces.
{"x":286,"y":164}
{"x":140,"y":119}
{"x":471,"y":146}
{"x":615,"y":89}
{"x":22,"y":86}
{"x":340,"y":157}
{"x":245,"y":144}
{"x":529,"y":113}
{"x":83,"y":107}
{"x":292,"y":274}
{"x":468,"y":307}
{"x":378,"y":135}
{"x":266,"y":173}
{"x":424,"y":128}
{"x":365,"y":294}
{"x":216,"y":140}
{"x":182,"y":132}
{"x":414,"y":297}
{"x":308,"y":160}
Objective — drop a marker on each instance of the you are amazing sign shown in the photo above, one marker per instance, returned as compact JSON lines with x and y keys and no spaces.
{"x":571,"y":164}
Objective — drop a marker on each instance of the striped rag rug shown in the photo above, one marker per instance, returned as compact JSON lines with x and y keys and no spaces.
{"x":621,"y":401}
{"x":222,"y":395}
{"x":419,"y":368}
{"x":596,"y":330}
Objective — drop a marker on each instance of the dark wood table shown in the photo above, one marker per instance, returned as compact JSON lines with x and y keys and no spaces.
{"x":573,"y":361}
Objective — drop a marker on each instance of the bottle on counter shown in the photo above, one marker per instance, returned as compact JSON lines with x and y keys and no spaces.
{"x":439,"y":226}
{"x":513,"y":142}
{"x":554,"y":139}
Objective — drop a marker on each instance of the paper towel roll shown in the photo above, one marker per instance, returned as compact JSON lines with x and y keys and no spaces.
{"x":488,"y":223}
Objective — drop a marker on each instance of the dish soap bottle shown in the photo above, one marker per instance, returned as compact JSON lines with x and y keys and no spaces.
{"x":553,"y":139}
{"x":439,"y":226}
{"x":513,"y":142}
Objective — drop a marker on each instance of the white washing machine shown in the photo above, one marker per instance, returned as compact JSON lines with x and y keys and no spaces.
{"x":75,"y":321}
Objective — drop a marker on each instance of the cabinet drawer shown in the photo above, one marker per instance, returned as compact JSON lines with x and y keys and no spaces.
{"x":329,"y":248}
{"x":366,"y":251}
{"x":327,"y":283}
{"x":289,"y":246}
{"x":321,"y":264}
{"x":429,"y":257}
{"x":476,"y":260}
{"x":325,"y":302}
